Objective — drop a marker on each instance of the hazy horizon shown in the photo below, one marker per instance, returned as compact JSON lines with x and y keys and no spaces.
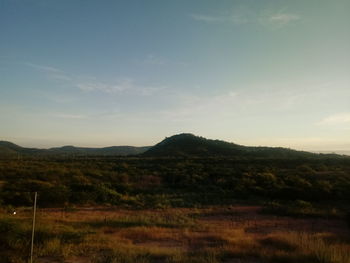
{"x":269,"y":73}
{"x":339,"y":151}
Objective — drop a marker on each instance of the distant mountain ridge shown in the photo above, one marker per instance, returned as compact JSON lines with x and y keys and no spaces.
{"x":180,"y":145}
{"x":9,"y":148}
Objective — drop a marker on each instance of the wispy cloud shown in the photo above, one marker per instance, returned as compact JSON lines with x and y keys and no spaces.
{"x":92,"y":84}
{"x":207,"y":18}
{"x":61,"y":76}
{"x":51,"y":72}
{"x":232,"y":18}
{"x":70,"y":116}
{"x":276,"y":19}
{"x":106,"y":88}
{"x":195,"y":107}
{"x":283,"y":19}
{"x":267,"y":17}
{"x":127,"y":86}
{"x":154,"y":60}
{"x":336,"y":119}
{"x":253,"y":101}
{"x":43,"y":67}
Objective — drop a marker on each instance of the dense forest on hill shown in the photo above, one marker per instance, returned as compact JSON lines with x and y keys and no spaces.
{"x":189,"y":145}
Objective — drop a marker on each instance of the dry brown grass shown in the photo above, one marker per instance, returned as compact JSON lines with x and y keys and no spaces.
{"x":233,"y":234}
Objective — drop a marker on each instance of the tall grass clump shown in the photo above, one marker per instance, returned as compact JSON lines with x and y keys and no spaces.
{"x":299,"y":208}
{"x":146,"y":220}
{"x":14,"y":240}
{"x":50,"y":239}
{"x":316,"y":247}
{"x":133,"y":254}
{"x":204,"y":256}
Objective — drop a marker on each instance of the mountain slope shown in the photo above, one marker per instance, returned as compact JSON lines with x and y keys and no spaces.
{"x":11,"y":148}
{"x":190,"y":145}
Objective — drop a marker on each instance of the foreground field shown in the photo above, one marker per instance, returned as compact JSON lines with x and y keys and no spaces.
{"x":213,"y":234}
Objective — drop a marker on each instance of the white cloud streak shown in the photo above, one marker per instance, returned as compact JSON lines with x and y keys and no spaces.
{"x":233,"y":18}
{"x":273,"y":101}
{"x":155,"y":60}
{"x":70,"y":116}
{"x":122,"y":87}
{"x":51,"y":72}
{"x":105,"y":88}
{"x":265,"y":18}
{"x":43,"y":67}
{"x":283,"y":19}
{"x":336,"y":119}
{"x":119,"y":87}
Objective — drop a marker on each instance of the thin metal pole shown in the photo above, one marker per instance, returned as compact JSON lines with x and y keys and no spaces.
{"x":33,"y":228}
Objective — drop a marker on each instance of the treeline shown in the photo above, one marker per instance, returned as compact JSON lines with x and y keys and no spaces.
{"x":158,"y":182}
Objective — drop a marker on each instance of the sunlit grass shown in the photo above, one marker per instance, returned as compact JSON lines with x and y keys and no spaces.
{"x":172,"y":236}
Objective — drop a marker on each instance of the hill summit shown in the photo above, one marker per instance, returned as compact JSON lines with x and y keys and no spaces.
{"x":187,"y":144}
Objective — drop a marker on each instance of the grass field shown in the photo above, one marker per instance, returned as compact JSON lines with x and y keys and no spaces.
{"x":213,"y":234}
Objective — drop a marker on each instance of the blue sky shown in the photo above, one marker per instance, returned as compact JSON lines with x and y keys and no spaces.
{"x":100,"y":73}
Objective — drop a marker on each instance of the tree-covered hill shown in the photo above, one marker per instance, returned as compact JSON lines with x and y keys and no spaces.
{"x":11,"y":148}
{"x":187,"y":144}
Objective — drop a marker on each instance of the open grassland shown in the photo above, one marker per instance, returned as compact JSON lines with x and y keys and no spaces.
{"x":229,"y":234}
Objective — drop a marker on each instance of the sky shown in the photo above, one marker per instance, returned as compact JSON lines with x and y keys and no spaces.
{"x":132,"y":72}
